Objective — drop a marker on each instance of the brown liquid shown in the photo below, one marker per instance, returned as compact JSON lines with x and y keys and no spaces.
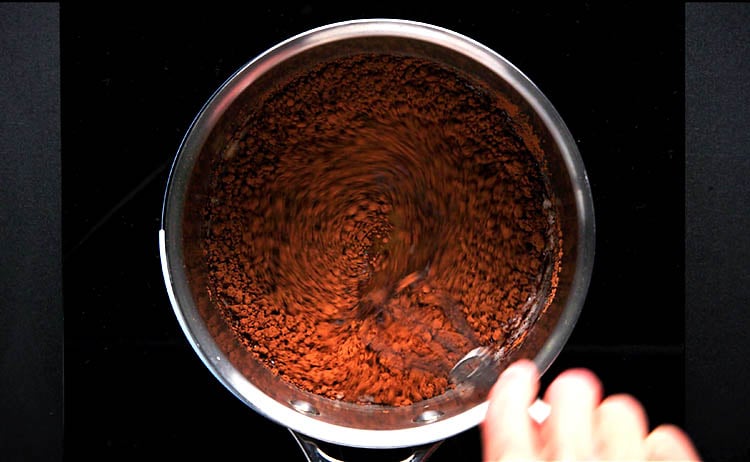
{"x":380,"y":217}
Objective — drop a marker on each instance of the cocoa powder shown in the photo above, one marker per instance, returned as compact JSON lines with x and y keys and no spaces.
{"x":377,"y":218}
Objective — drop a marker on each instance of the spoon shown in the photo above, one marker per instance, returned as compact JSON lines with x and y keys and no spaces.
{"x":480,"y":368}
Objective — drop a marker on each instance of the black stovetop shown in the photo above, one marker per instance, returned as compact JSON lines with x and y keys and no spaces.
{"x":133,"y":79}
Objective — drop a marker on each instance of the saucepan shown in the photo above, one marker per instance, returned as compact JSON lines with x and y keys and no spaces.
{"x":316,"y":421}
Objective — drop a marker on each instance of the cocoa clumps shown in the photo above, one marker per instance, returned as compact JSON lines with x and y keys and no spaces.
{"x":376,"y":218}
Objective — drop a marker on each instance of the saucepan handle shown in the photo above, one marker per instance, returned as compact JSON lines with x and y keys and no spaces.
{"x":314,"y":453}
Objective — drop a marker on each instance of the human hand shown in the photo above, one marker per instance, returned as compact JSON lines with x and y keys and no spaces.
{"x":581,"y":424}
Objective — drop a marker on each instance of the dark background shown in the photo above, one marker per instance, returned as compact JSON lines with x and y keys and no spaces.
{"x":84,"y":212}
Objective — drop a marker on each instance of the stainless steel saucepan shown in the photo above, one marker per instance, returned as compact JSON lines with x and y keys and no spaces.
{"x":314,"y":419}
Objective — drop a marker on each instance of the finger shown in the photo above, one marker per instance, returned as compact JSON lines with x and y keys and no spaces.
{"x":568,"y":432}
{"x":507,"y":430}
{"x":667,"y":442}
{"x":621,"y":426}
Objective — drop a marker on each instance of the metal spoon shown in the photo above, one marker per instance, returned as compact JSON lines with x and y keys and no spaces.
{"x":480,"y":368}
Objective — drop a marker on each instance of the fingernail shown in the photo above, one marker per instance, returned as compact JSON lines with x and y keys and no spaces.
{"x":519,"y":368}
